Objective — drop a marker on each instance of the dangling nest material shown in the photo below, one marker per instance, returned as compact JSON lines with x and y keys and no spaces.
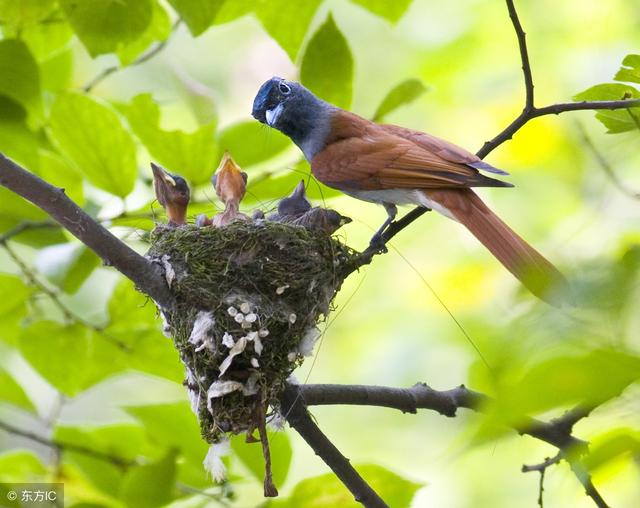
{"x":249,"y":298}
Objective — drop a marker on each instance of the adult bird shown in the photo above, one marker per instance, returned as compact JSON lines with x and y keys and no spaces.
{"x":172,"y":193}
{"x":392,"y":165}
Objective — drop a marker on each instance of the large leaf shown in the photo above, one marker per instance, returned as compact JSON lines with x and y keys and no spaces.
{"x":612,"y":445}
{"x":159,"y":29}
{"x":91,"y":135}
{"x":327,"y":65}
{"x":20,"y":14}
{"x":630,"y":70}
{"x":11,"y":392}
{"x":251,"y":456}
{"x":191,"y":155}
{"x":250,"y":143}
{"x":21,"y":466}
{"x":197,"y":14}
{"x":67,"y":265}
{"x":124,"y":442}
{"x":45,"y":38}
{"x":392,"y":11}
{"x":19,"y":75}
{"x":328,"y":490}
{"x":287,"y":22}
{"x":617,"y":120}
{"x":152,"y":484}
{"x":71,"y":358}
{"x":13,"y":306}
{"x":105,"y":26}
{"x":400,"y":95}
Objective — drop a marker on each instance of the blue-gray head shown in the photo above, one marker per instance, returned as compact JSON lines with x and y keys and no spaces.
{"x":295,"y":111}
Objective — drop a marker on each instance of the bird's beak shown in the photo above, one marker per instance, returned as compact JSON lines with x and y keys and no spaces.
{"x":161,"y":176}
{"x":229,"y":179}
{"x":299,"y":191}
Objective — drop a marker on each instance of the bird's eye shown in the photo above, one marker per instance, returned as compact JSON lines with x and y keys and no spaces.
{"x":284,"y":88}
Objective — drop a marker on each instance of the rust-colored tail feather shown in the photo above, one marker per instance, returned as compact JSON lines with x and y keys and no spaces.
{"x":534,"y":271}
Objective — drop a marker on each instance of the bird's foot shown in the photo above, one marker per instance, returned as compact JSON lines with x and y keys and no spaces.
{"x":377,"y":244}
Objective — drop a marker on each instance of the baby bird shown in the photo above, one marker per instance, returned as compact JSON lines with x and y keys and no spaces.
{"x":230,"y":184}
{"x":172,"y":193}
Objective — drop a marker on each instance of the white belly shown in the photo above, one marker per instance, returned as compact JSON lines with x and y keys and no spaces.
{"x":400,"y":197}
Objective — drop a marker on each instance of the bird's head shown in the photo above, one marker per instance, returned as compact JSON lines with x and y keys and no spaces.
{"x":292,"y":109}
{"x":230,"y":183}
{"x":296,"y":204}
{"x":172,"y":193}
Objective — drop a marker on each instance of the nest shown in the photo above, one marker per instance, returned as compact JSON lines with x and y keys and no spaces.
{"x":249,"y":298}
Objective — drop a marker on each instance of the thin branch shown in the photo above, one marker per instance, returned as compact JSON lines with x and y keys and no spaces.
{"x":542,"y":469}
{"x":524,"y":54}
{"x":54,"y":201}
{"x":27,"y":226}
{"x":71,"y":447}
{"x":141,"y":59}
{"x":294,"y":408}
{"x":606,"y":165}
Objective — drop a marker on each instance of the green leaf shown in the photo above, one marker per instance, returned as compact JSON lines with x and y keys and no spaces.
{"x":150,"y":485}
{"x":104,"y":26}
{"x":618,"y":120}
{"x":56,"y":171}
{"x":12,"y":393}
{"x":250,"y":143}
{"x":631,"y":69}
{"x":175,"y":426}
{"x":251,"y":456}
{"x":91,"y":135}
{"x":71,"y":358}
{"x":392,"y":11}
{"x":191,"y":155}
{"x":45,"y":38}
{"x":57,"y":71}
{"x":400,"y":95}
{"x":13,"y":306}
{"x":67,"y":265}
{"x":197,"y":14}
{"x":19,"y":75}
{"x":21,"y":466}
{"x":563,"y":380}
{"x":125,"y":442}
{"x":328,"y":490}
{"x":612,"y":445}
{"x":19,"y":14}
{"x":327,"y":65}
{"x":287,"y":22}
{"x":159,"y":29}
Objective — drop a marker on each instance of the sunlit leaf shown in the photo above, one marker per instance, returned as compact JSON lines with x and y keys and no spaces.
{"x":191,"y":155}
{"x":250,"y":143}
{"x":197,"y":14}
{"x":327,"y":65}
{"x":400,"y":95}
{"x":328,"y":490}
{"x":276,"y":16}
{"x":612,"y":445}
{"x":251,"y":456}
{"x":91,"y":135}
{"x":105,"y":26}
{"x":19,"y":75}
{"x":630,"y":71}
{"x":21,"y":466}
{"x":57,"y":71}
{"x":617,"y":120}
{"x":13,"y":306}
{"x":45,"y":38}
{"x":20,"y":14}
{"x":12,"y":393}
{"x":71,"y":358}
{"x":392,"y":11}
{"x":158,"y":29}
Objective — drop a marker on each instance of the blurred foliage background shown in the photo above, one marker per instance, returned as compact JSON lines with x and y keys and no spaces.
{"x":91,"y":91}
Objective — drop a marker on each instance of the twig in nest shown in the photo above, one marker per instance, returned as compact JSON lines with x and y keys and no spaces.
{"x":270,"y":489}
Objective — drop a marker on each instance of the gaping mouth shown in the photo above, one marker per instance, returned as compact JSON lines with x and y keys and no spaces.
{"x":272,"y":115}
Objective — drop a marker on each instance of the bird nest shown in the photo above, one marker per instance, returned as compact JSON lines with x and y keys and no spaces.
{"x":249,"y":298}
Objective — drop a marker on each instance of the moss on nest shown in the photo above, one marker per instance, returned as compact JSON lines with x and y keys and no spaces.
{"x":258,"y":289}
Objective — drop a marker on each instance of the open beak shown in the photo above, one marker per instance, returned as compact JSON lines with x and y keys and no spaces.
{"x":229,"y":180}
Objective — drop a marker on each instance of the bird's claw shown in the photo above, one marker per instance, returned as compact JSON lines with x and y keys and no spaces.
{"x":378,"y":244}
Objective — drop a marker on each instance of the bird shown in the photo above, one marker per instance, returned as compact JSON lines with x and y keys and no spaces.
{"x":392,"y":165}
{"x":292,"y":206}
{"x":173,"y":194}
{"x":230,"y":184}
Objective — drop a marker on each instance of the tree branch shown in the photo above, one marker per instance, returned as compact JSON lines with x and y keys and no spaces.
{"x":54,"y":201}
{"x":294,"y":409}
{"x":524,"y":54}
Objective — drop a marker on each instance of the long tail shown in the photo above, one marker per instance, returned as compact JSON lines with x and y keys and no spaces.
{"x":535,"y":272}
